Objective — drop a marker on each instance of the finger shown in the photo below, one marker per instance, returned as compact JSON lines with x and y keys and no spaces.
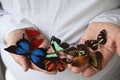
{"x":118,"y":49}
{"x":25,"y":64}
{"x":62,"y":55}
{"x":118,"y":44}
{"x":44,"y":44}
{"x":22,"y":61}
{"x":90,"y":71}
{"x":79,"y":69}
{"x":76,"y":69}
{"x":69,"y":66}
{"x":107,"y":55}
{"x":34,"y":67}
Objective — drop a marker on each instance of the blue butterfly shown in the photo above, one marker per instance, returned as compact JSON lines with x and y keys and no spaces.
{"x":22,"y":47}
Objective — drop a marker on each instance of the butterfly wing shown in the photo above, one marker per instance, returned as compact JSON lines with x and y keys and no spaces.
{"x":21,"y":48}
{"x":50,"y":65}
{"x":96,"y":60}
{"x":83,"y":50}
{"x":53,"y":62}
{"x":68,"y":61}
{"x":76,"y":63}
{"x":35,"y":43}
{"x":38,"y":56}
{"x":32,"y":33}
{"x":61,"y":64}
{"x":83,"y":59}
{"x":52,"y":56}
{"x":81,"y":54}
{"x":73,"y":51}
{"x":93,"y":44}
{"x":11,"y":49}
{"x":50,"y":61}
{"x":102,"y":37}
{"x":57,"y":45}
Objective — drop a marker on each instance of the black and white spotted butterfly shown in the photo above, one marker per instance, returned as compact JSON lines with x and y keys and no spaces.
{"x":101,"y":39}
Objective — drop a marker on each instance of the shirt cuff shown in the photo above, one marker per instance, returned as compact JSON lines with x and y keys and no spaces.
{"x":112,"y":16}
{"x":10,"y":23}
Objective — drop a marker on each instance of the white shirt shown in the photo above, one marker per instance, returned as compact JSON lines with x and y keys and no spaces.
{"x":66,"y":19}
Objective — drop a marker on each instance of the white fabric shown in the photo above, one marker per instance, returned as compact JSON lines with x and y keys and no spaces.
{"x":54,"y":17}
{"x":9,"y":76}
{"x":66,"y":19}
{"x":112,"y":16}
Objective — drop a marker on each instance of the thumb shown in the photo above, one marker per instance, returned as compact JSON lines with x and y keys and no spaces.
{"x":25,"y":64}
{"x":22,"y":61}
{"x":118,"y":49}
{"x":118,"y":44}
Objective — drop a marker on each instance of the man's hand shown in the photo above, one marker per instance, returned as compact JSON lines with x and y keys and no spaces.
{"x":15,"y":36}
{"x":112,"y":45}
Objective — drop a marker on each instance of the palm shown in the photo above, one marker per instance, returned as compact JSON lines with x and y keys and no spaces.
{"x":24,"y":60}
{"x":107,"y":50}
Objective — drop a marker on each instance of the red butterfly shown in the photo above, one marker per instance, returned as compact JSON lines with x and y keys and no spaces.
{"x":32,"y":34}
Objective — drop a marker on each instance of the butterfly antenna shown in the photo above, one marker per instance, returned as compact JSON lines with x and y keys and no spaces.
{"x":23,"y":35}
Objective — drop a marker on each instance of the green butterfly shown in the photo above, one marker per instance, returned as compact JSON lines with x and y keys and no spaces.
{"x":53,"y":62}
{"x":57,"y":45}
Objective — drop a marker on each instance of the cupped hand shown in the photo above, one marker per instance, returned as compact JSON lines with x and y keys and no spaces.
{"x":108,"y":49}
{"x":24,"y":61}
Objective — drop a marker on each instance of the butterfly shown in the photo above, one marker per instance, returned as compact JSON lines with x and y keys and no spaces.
{"x":53,"y":62}
{"x":32,"y":35}
{"x":101,"y":39}
{"x":57,"y":45}
{"x":96,"y":60}
{"x":81,"y":54}
{"x":22,"y":47}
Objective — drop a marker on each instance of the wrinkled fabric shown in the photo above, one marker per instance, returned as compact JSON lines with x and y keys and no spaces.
{"x":66,"y":19}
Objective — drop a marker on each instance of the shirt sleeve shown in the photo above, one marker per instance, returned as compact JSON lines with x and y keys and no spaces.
{"x":112,"y":16}
{"x":11,"y":22}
